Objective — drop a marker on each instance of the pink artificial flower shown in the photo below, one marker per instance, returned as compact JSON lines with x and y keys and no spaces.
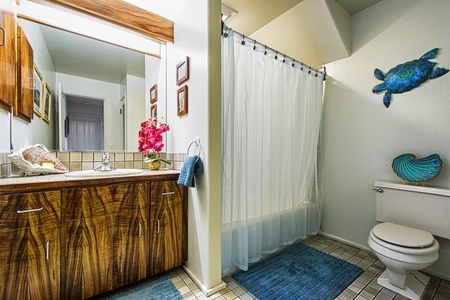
{"x":150,"y":136}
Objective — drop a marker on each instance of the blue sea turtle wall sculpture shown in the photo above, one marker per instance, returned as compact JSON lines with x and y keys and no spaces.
{"x":407,"y":76}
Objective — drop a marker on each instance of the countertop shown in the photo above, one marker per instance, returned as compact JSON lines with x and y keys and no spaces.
{"x":46,"y":182}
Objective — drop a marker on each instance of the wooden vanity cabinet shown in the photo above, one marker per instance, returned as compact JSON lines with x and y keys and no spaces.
{"x":30,"y":245}
{"x":79,"y":239}
{"x":168,"y":226}
{"x":8,"y":52}
{"x":105,"y":238}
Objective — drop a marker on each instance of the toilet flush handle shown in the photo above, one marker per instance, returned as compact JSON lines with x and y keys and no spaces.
{"x":378,"y":190}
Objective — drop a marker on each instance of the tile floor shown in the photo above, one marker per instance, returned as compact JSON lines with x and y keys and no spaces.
{"x":363,"y":288}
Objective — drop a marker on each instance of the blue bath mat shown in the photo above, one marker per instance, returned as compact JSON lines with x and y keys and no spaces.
{"x":160,"y":289}
{"x":298,"y":272}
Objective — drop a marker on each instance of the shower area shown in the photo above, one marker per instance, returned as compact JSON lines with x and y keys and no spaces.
{"x":271,"y":166}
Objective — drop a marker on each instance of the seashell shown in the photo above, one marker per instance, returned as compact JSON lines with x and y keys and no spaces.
{"x":407,"y":167}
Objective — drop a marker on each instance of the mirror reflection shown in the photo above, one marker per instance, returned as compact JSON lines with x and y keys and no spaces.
{"x":99,"y":92}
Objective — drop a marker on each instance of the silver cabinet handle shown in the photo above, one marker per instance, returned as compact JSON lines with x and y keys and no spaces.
{"x":4,"y":36}
{"x":140,"y":230}
{"x":158,"y":226}
{"x":378,"y":190}
{"x":29,"y":210}
{"x":47,"y":250}
{"x":168,"y":193}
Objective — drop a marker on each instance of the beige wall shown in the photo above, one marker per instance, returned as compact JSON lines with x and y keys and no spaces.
{"x":361,"y":136}
{"x":197,"y":35}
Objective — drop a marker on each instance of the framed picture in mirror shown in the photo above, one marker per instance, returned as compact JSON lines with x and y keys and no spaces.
{"x":154,"y":93}
{"x":182,"y":71}
{"x":182,"y":101}
{"x":47,"y":103}
{"x":37,"y":91}
{"x":153,"y":111}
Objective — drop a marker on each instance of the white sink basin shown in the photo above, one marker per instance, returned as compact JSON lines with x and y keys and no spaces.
{"x":113,"y":173}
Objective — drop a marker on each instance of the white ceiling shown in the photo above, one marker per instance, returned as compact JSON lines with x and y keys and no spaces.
{"x":314,"y":32}
{"x":254,"y":14}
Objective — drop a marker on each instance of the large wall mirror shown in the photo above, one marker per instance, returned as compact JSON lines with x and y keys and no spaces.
{"x":99,"y":89}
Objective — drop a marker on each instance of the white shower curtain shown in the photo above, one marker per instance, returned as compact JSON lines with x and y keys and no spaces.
{"x":271,"y":120}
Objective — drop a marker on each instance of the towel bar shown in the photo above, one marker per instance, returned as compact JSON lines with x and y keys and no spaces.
{"x":197,"y":143}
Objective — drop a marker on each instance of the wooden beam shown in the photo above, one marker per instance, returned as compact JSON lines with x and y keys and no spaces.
{"x":124,"y":14}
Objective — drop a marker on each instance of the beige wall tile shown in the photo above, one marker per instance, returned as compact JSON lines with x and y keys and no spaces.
{"x":119,"y":157}
{"x":75,"y":156}
{"x":87,"y":165}
{"x":119,"y":165}
{"x":87,"y":156}
{"x":98,"y":156}
{"x":137,"y":164}
{"x":75,"y":166}
{"x":63,"y":156}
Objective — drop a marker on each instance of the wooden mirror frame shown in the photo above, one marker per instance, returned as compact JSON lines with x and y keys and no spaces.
{"x":124,"y":14}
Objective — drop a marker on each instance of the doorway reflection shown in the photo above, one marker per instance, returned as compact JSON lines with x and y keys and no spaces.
{"x":84,"y":123}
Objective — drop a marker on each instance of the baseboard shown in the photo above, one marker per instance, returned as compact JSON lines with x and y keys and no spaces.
{"x":345,"y":241}
{"x":207,"y":292}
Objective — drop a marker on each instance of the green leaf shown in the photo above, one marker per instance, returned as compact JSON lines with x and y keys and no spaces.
{"x":153,"y":159}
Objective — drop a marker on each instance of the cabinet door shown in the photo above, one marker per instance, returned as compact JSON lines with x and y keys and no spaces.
{"x":8,"y":54}
{"x":25,"y":72}
{"x":88,"y":257}
{"x":88,"y":202}
{"x":30,"y":263}
{"x":130,"y":247}
{"x":130,"y":250}
{"x":167,"y":227}
{"x":106,"y":238}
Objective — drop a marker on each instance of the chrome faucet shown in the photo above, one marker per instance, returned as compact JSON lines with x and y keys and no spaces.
{"x":105,"y":166}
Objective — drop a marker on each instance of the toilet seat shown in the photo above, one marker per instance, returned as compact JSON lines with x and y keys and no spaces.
{"x":384,"y":245}
{"x":403,"y":236}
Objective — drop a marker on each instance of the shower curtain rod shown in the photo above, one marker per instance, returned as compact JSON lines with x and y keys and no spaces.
{"x":277,"y":53}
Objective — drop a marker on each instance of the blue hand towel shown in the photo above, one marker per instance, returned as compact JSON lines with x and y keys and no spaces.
{"x":192,"y":165}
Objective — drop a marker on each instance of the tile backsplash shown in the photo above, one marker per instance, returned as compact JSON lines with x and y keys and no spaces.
{"x":77,"y":161}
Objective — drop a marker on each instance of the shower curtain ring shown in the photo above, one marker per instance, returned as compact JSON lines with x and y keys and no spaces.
{"x":243,"y":40}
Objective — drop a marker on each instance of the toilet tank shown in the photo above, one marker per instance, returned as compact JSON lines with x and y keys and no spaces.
{"x":426,"y":208}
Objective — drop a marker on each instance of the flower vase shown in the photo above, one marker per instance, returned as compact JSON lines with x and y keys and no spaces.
{"x":154,"y":165}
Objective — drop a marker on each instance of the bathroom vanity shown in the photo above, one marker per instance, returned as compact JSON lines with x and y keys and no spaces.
{"x":74,"y":238}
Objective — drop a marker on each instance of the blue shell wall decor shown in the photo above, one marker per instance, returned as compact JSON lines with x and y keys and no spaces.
{"x":407,"y":76}
{"x":407,"y":167}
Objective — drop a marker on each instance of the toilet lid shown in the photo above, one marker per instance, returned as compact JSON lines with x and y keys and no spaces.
{"x":402,"y":235}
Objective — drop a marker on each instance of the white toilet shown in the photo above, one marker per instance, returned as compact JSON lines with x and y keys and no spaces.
{"x":404,"y":243}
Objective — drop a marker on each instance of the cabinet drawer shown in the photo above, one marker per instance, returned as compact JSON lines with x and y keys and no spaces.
{"x":104,"y":200}
{"x":165,"y":191}
{"x":27,"y":210}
